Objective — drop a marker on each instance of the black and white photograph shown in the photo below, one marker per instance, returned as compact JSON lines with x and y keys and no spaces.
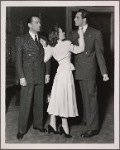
{"x":60,"y":74}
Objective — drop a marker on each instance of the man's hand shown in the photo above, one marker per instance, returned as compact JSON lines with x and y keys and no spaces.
{"x":47,"y":78}
{"x":23,"y":82}
{"x":105,"y":77}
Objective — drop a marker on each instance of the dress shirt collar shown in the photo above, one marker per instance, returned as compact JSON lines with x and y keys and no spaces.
{"x":85,"y":27}
{"x":33,"y":35}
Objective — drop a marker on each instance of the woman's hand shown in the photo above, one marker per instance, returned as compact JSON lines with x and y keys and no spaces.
{"x":80,"y":32}
{"x":43,"y":42}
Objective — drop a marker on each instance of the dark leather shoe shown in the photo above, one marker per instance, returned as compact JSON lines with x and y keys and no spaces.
{"x":89,"y":133}
{"x":19,"y":136}
{"x":62,"y":131}
{"x":51,"y":129}
{"x":41,"y":130}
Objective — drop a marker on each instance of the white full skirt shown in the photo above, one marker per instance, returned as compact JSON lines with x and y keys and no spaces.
{"x":63,"y":99}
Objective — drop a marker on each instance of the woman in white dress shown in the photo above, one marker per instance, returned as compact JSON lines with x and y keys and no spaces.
{"x":62,"y":99}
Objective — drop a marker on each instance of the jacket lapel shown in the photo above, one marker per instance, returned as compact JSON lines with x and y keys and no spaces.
{"x":88,"y":35}
{"x":31,"y":42}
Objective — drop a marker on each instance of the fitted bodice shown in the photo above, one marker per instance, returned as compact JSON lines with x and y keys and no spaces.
{"x":65,"y":64}
{"x":65,"y":60}
{"x":62,"y":53}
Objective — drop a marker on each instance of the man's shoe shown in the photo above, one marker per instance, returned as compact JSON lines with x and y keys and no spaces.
{"x":41,"y":130}
{"x":19,"y":136}
{"x":89,"y":133}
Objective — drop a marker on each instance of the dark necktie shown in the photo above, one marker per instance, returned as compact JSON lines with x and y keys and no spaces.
{"x":36,"y":39}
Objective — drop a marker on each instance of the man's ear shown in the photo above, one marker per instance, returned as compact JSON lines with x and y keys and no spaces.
{"x":85,"y":19}
{"x":29,"y":25}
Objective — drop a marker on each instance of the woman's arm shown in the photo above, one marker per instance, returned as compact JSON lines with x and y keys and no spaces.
{"x":48,"y":53}
{"x":47,"y":50}
{"x":80,"y":48}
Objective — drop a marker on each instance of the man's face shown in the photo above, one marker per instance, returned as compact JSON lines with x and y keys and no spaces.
{"x":35,"y":24}
{"x":78,"y":19}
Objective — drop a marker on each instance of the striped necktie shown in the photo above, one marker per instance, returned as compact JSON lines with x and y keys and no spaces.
{"x":36,"y":39}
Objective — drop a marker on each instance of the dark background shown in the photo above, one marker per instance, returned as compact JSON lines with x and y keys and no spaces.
{"x":49,"y":17}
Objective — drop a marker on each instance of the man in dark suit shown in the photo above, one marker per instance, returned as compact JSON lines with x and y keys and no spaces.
{"x":86,"y":68}
{"x":31,"y":73}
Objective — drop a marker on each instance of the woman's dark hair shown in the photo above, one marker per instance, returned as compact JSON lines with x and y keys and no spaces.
{"x":44,"y":38}
{"x":53,"y":36}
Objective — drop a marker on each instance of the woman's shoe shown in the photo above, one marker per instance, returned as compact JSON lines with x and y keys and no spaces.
{"x":50,"y":129}
{"x":63,"y":132}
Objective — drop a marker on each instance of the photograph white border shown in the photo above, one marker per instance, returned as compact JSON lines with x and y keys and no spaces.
{"x":5,"y":4}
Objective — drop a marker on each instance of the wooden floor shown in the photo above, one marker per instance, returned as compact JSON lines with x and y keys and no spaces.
{"x":106,"y":134}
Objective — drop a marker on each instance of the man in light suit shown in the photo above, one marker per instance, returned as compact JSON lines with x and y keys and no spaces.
{"x":31,"y":73}
{"x":86,"y":68}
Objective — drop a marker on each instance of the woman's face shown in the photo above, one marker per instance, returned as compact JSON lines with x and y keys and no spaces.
{"x":61,"y":34}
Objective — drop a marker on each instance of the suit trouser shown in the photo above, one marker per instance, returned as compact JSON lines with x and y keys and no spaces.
{"x":90,"y":103}
{"x":27,"y":93}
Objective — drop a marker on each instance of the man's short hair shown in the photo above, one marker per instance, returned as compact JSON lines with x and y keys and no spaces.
{"x":29,"y":20}
{"x":84,"y":13}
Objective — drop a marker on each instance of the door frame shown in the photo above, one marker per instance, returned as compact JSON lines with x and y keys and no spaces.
{"x":97,"y":9}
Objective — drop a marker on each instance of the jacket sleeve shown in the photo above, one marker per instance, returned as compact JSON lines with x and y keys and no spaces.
{"x":19,"y":67}
{"x":48,"y":53}
{"x":47,"y":59}
{"x":100,"y":53}
{"x":48,"y":67}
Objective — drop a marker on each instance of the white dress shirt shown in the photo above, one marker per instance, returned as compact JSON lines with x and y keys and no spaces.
{"x":84,"y":28}
{"x":33,"y":35}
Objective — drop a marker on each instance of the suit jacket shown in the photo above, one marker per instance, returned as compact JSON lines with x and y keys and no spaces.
{"x":30,"y":60}
{"x":86,"y":62}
